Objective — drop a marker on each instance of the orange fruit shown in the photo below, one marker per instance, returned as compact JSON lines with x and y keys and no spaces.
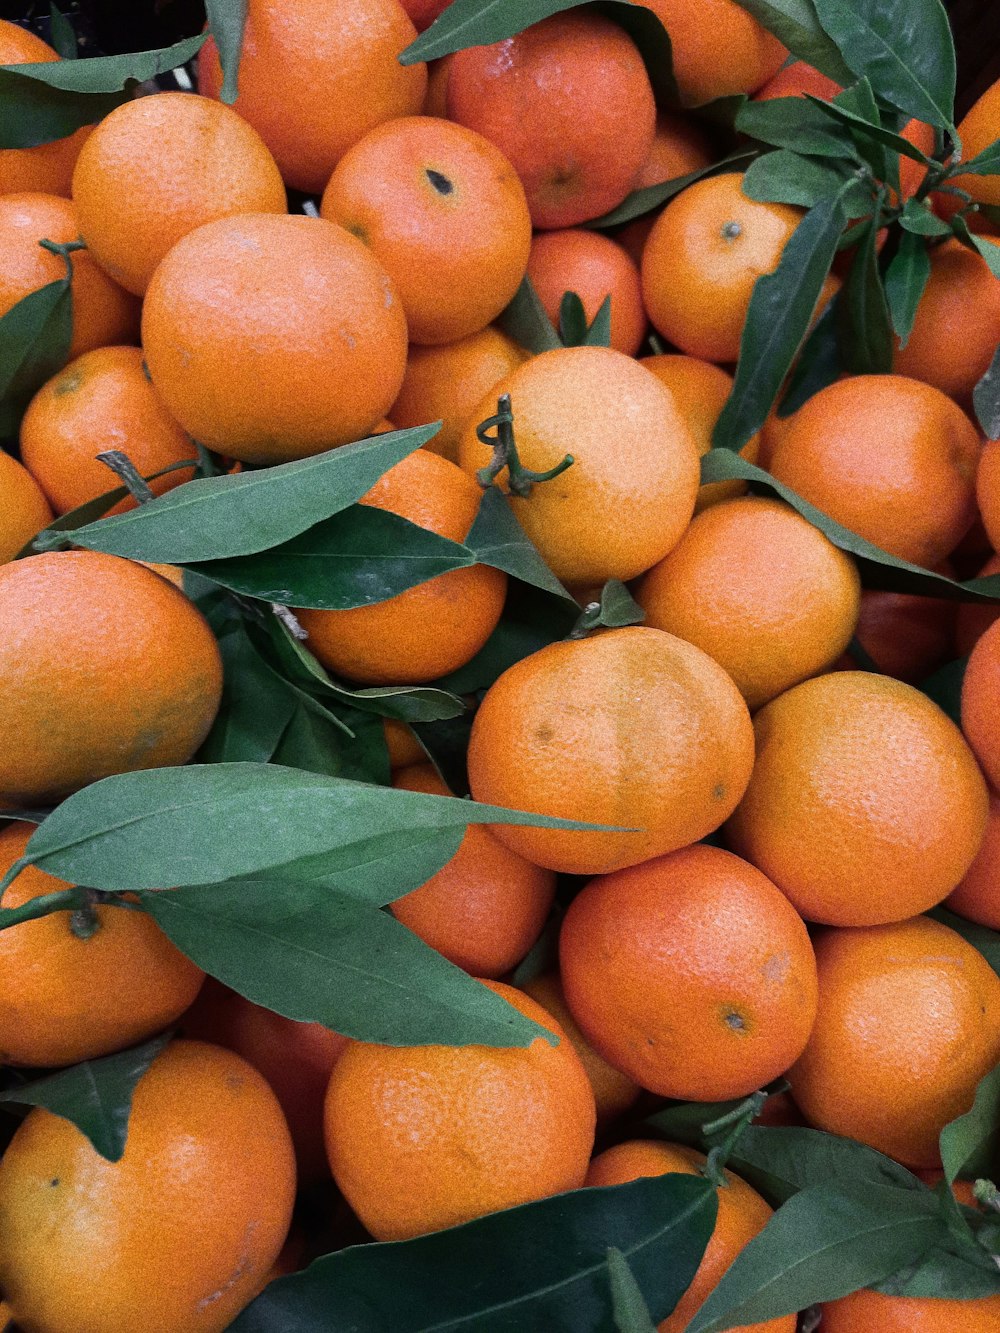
{"x":404,"y":748}
{"x":102,"y":400}
{"x":908,"y":1024}
{"x":569,"y":102}
{"x":680,"y":146}
{"x":905,"y":635}
{"x":24,"y":509}
{"x":316,"y":75}
{"x":485,"y":908}
{"x":102,"y":312}
{"x":295,"y":1058}
{"x":104,"y":668}
{"x":701,"y":261}
{"x":863,"y":1311}
{"x":770,"y":625}
{"x":980,"y":128}
{"x":156,"y":168}
{"x":631,"y":728}
{"x":436,"y":101}
{"x":691,"y":973}
{"x":973,"y":619}
{"x":430,"y":629}
{"x":180,"y":1231}
{"x":977,"y":898}
{"x":614,"y":1092}
{"x":797,"y":79}
{"x":83,"y":984}
{"x":48,"y":167}
{"x":700,"y":390}
{"x":865,"y":805}
{"x":423,"y":12}
{"x":980,"y":691}
{"x":595,"y":267}
{"x":445,"y":215}
{"x":426,"y":1137}
{"x":913,"y":494}
{"x":718,"y":49}
{"x":447,"y":383}
{"x":742,"y":1215}
{"x":632,"y":455}
{"x":271,"y":338}
{"x":988,"y":490}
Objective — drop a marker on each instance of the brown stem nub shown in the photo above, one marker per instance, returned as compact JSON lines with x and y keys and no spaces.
{"x":519,"y":478}
{"x":123,"y":468}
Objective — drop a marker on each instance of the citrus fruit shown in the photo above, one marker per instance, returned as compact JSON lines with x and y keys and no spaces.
{"x":978,"y":130}
{"x":47,"y":167}
{"x":631,"y":728}
{"x":904,"y":634}
{"x":272,"y":337}
{"x":988,"y":490}
{"x":425,"y":1137}
{"x":863,"y":1311}
{"x":403,"y":746}
{"x":980,"y":715}
{"x":795,"y":80}
{"x":595,"y":268}
{"x":977,"y":898}
{"x":718,"y":48}
{"x":680,"y":146}
{"x":24,"y":510}
{"x":973,"y":619}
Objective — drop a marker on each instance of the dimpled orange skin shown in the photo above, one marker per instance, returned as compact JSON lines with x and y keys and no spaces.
{"x":865,"y":805}
{"x":632,"y":451}
{"x":445,"y":214}
{"x":64,"y":998}
{"x":24,"y":510}
{"x":157,"y":167}
{"x":180,"y":1231}
{"x":595,"y":267}
{"x":988,"y":490}
{"x":973,"y":619}
{"x":692,"y":973}
{"x":103,"y":312}
{"x":426,"y":1137}
{"x":316,"y":75}
{"x":908,"y":1024}
{"x":447,"y":383}
{"x":913,"y":495}
{"x":486,"y":907}
{"x":102,"y":400}
{"x":569,"y":102}
{"x":271,"y":338}
{"x":979,"y":129}
{"x":977,"y":898}
{"x":680,"y":146}
{"x":980,"y":695}
{"x":632,"y":728}
{"x":432,"y":628}
{"x":104,"y":668}
{"x":865,"y":1311}
{"x":797,"y":79}
{"x":48,"y":167}
{"x":718,"y":49}
{"x":770,"y":625}
{"x":742,"y":1215}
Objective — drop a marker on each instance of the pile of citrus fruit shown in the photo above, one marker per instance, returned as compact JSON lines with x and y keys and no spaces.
{"x":500,"y":672}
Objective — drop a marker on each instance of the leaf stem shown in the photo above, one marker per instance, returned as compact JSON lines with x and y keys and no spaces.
{"x":63,"y":900}
{"x":519,"y":478}
{"x":129,"y":475}
{"x":64,"y":249}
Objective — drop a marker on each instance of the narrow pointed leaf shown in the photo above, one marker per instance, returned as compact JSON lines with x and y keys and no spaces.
{"x":921,"y":219}
{"x":866,"y":330}
{"x":226,"y":22}
{"x":63,"y":37}
{"x":786,"y":177}
{"x":781,"y":1160}
{"x":888,"y":138}
{"x":256,"y":707}
{"x":794,"y":122}
{"x":969,"y":1144}
{"x":319,"y":742}
{"x":526,"y":322}
{"x":628,"y":1307}
{"x":795,"y":23}
{"x":986,"y":163}
{"x":572,"y":320}
{"x":599,"y":333}
{"x":949,"y":1270}
{"x":986,"y":399}
{"x":905,"y":280}
{"x":643,"y":201}
{"x":818,"y":365}
{"x":989,"y":249}
{"x":496,"y":538}
{"x":34,"y":343}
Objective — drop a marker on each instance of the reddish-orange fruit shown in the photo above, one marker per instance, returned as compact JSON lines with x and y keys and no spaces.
{"x":913,"y":495}
{"x":866,"y":1311}
{"x":425,"y":1137}
{"x":632,"y":455}
{"x":680,"y":146}
{"x":432,"y":628}
{"x":973,"y":619}
{"x":423,"y":12}
{"x":988,"y":490}
{"x":102,"y":312}
{"x":595,"y":267}
{"x":447,"y":384}
{"x":271,"y":338}
{"x":445,"y":215}
{"x":692,"y":973}
{"x":797,"y":79}
{"x":908,"y":1024}
{"x":316,"y":75}
{"x":404,"y":748}
{"x":569,"y":102}
{"x":48,"y":167}
{"x":485,"y":908}
{"x":295,"y":1058}
{"x":977,"y":131}
{"x":718,"y":49}
{"x":102,"y":400}
{"x":614,"y":1092}
{"x":156,"y":168}
{"x":769,"y":624}
{"x":104,"y":668}
{"x":181,"y":1230}
{"x":980,"y":711}
{"x":24,"y":509}
{"x":436,"y":101}
{"x":662,"y":746}
{"x":74,"y":986}
{"x":742,"y":1214}
{"x":977,"y":898}
{"x":905,"y":635}
{"x":865,"y":805}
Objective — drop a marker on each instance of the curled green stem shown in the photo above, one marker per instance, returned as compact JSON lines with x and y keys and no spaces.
{"x":519,"y":478}
{"x":736,"y":1121}
{"x":64,"y":249}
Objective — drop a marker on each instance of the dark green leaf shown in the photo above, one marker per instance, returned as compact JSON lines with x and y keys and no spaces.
{"x":920,"y":218}
{"x":526,"y":322}
{"x":986,"y":399}
{"x":781,"y":309}
{"x":986,"y":163}
{"x":619,"y":607}
{"x":61,"y":31}
{"x":649,"y":197}
{"x":903,"y":47}
{"x":866,"y":330}
{"x":819,"y":363}
{"x":980,"y":937}
{"x":96,"y":1095}
{"x":781,"y":1160}
{"x":34,"y":343}
{"x":795,"y":23}
{"x":784,"y":177}
{"x":537,"y":1269}
{"x":944,"y":686}
{"x":256,"y":706}
{"x":496,"y":538}
{"x":989,"y":250}
{"x":905,"y":280}
{"x":859,"y":101}
{"x":653,"y":42}
{"x":949,"y":1270}
{"x":315,"y":740}
{"x":599,"y":333}
{"x":446,"y":744}
{"x":628,"y":1307}
{"x":531,"y":620}
{"x":572,"y":320}
{"x":226,"y":21}
{"x":900,"y":145}
{"x":969,"y":1144}
{"x":793,"y":122}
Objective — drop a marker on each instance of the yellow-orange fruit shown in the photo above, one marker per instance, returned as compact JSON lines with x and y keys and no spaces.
{"x":24,"y":509}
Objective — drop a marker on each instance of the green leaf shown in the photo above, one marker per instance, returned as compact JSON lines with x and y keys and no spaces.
{"x":986,"y":163}
{"x":219,"y":518}
{"x":868,"y":129}
{"x":96,"y":1095}
{"x":989,"y":250}
{"x":969,"y":1144}
{"x":62,"y":34}
{"x":537,"y":1268}
{"x":572,"y":320}
{"x":986,"y":399}
{"x":530,"y":621}
{"x":781,"y":309}
{"x":782,"y":1160}
{"x":818,"y":365}
{"x":784,"y":177}
{"x":986,"y":941}
{"x":795,"y":23}
{"x":256,"y":706}
{"x":794,"y":122}
{"x":526,"y":322}
{"x":314,"y":740}
{"x":496,"y":538}
{"x":903,"y":47}
{"x":649,"y":197}
{"x":905,"y":280}
{"x":628,"y":1307}
{"x":866,"y":330}
{"x":825,"y":1242}
{"x":226,"y":22}
{"x":944,"y":686}
{"x":39,"y":103}
{"x":599,"y":333}
{"x":949,"y":1270}
{"x":619,"y":607}
{"x":34,"y":343}
{"x":918,"y":217}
